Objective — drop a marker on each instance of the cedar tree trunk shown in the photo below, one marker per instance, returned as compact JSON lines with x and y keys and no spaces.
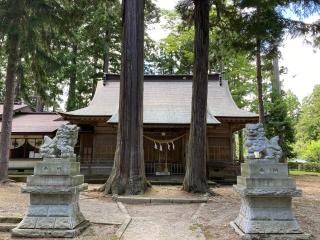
{"x":128,"y":173}
{"x":71,"y":102}
{"x":240,"y":140}
{"x":195,"y":178}
{"x":5,"y":142}
{"x":259,"y":81}
{"x":106,"y":53}
{"x":276,"y":85}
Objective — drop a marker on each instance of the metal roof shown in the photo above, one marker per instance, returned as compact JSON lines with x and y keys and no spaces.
{"x":166,"y":101}
{"x":17,"y":108}
{"x":36,"y":123}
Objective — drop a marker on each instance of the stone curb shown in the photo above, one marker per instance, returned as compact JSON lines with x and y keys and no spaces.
{"x":126,"y":222}
{"x":195,"y":220}
{"x":195,"y":216}
{"x":244,"y":236}
{"x":144,"y":200}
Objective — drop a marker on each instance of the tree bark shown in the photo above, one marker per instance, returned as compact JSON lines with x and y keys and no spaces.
{"x":240,"y":141}
{"x":128,"y":173}
{"x":17,"y":90}
{"x":195,"y":178}
{"x":71,"y":102}
{"x":7,"y":115}
{"x":259,"y":81}
{"x":276,"y":85}
{"x":106,"y":53}
{"x":39,"y":104}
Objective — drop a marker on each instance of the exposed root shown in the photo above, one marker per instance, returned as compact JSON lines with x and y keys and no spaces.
{"x":211,"y":193}
{"x":101,"y":188}
{"x":6,"y":181}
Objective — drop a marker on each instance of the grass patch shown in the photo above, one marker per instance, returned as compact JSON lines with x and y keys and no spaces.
{"x":114,"y":237}
{"x":303,"y":173}
{"x":194,"y":227}
{"x":204,"y":230}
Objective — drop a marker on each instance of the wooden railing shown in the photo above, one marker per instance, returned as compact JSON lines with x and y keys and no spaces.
{"x":172,"y":168}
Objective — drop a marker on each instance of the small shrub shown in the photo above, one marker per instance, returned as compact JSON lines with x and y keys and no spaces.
{"x":308,"y":167}
{"x":311,"y":151}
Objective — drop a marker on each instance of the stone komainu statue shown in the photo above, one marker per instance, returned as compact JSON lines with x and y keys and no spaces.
{"x":256,"y":141}
{"x":62,"y":145}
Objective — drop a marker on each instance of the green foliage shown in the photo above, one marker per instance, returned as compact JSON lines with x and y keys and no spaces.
{"x":311,"y":151}
{"x":307,"y":167}
{"x":51,"y":68}
{"x":279,"y":123}
{"x":293,"y":105}
{"x":308,"y":126}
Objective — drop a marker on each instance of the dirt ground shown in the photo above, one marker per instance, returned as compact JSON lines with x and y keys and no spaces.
{"x":217,"y":214}
{"x":169,"y":221}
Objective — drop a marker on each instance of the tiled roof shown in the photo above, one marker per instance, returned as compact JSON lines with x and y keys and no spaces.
{"x":165,"y":102}
{"x":36,"y":123}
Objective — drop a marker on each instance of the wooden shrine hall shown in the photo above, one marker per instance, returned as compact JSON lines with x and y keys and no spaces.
{"x":166,"y":120}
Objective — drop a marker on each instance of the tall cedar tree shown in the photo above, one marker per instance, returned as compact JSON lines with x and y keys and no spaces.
{"x":195,"y":177}
{"x":128,"y":173}
{"x":15,"y":9}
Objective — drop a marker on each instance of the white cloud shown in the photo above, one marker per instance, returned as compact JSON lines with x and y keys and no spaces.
{"x":166,"y":4}
{"x":303,"y":64}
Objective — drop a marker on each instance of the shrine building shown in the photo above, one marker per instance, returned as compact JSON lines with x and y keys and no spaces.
{"x":166,"y":122}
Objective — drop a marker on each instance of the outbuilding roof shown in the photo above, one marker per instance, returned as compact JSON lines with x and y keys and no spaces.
{"x":17,"y":108}
{"x":167,"y":100}
{"x":36,"y":123}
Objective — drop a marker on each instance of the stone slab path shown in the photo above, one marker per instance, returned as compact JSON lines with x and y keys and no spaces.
{"x":163,"y":222}
{"x":98,"y":210}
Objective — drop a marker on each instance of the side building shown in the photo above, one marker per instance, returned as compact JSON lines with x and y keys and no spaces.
{"x":28,"y":131}
{"x":166,"y":121}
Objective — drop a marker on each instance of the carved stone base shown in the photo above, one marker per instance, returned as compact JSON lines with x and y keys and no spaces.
{"x":50,"y":233}
{"x":271,"y":236}
{"x":54,"y":200}
{"x":267,"y":214}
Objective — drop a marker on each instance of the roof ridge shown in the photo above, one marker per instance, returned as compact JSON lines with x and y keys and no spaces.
{"x":169,"y":77}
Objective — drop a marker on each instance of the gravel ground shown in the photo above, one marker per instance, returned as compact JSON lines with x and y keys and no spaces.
{"x":94,"y":205}
{"x":166,"y":222}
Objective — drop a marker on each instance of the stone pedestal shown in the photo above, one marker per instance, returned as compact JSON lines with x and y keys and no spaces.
{"x":266,"y":193}
{"x":54,"y":200}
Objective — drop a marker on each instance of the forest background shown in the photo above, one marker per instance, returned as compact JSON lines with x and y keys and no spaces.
{"x":65,"y":49}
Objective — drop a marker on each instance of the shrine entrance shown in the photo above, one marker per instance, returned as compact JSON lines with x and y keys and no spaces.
{"x":164,"y":154}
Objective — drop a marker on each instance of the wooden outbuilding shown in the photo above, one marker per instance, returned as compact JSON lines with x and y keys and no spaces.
{"x":166,"y":120}
{"x":28,"y":131}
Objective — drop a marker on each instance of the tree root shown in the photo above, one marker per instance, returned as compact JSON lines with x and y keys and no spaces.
{"x":6,"y":181}
{"x":101,"y":188}
{"x":211,"y":193}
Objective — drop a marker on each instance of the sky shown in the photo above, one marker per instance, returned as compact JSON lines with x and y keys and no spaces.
{"x":301,"y":60}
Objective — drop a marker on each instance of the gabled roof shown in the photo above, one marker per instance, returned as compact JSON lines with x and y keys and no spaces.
{"x":167,"y":100}
{"x":17,"y":108}
{"x":36,"y":123}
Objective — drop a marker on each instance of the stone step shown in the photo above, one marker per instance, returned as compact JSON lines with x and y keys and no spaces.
{"x":7,"y":227}
{"x":10,"y":219}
